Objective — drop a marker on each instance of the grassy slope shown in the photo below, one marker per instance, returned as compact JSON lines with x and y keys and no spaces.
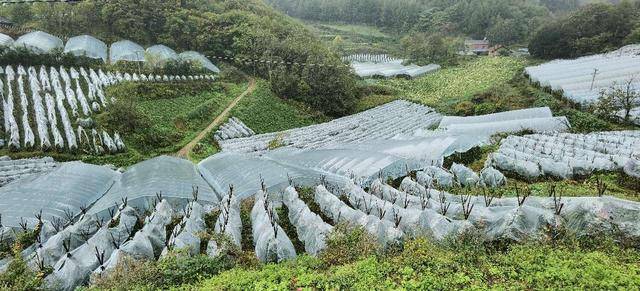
{"x":423,"y":265}
{"x":264,"y":112}
{"x":443,"y":89}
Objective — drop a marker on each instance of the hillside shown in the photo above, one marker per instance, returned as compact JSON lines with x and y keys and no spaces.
{"x":234,"y":28}
{"x":360,"y":145}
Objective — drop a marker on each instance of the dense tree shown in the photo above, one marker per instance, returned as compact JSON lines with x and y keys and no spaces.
{"x":394,"y":14}
{"x":502,"y":21}
{"x":592,"y":29}
{"x":424,"y":48}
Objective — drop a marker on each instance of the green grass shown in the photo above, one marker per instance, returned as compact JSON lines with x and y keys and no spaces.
{"x":424,"y":265}
{"x":449,"y":86}
{"x":264,"y":112}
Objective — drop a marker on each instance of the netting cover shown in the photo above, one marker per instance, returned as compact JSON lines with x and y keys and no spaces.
{"x":88,"y":46}
{"x":538,"y":125}
{"x":71,"y":186}
{"x":126,"y":50}
{"x":542,"y":112}
{"x":244,"y":172}
{"x":389,"y":121}
{"x":160,"y":54}
{"x":174,"y":178}
{"x":200,"y":58}
{"x":39,"y":42}
{"x":5,"y":40}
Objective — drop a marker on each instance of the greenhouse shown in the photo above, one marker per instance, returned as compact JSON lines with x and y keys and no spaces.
{"x":199,"y":58}
{"x":160,"y":54}
{"x":88,"y":46}
{"x":126,"y":50}
{"x":5,"y":40}
{"x":39,"y":42}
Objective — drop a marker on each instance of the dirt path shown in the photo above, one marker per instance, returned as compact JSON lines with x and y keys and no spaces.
{"x":185,"y":152}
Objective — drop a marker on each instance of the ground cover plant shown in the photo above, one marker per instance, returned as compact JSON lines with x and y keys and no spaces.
{"x":354,"y":260}
{"x":264,"y":112}
{"x":450,"y":86}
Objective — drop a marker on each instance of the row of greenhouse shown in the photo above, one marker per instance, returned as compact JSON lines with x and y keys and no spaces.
{"x":88,"y":46}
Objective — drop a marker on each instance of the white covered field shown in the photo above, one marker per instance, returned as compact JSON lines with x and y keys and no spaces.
{"x":584,"y":79}
{"x":53,"y":108}
{"x":367,"y":66}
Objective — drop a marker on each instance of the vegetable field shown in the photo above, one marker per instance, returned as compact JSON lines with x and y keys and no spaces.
{"x":451,"y":85}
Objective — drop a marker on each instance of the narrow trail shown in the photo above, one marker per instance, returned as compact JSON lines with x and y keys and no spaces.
{"x":185,"y":152}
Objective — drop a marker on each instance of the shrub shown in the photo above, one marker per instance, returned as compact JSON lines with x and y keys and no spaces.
{"x":346,"y":244}
{"x":465,"y":108}
{"x":18,"y":276}
{"x":485,"y":108}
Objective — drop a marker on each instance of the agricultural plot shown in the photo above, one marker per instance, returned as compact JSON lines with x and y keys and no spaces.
{"x":84,"y":247}
{"x":567,"y":156}
{"x":384,"y":122}
{"x":582,"y":80}
{"x":447,"y":87}
{"x":11,"y":170}
{"x":57,"y":107}
{"x":367,"y":66}
{"x":537,"y":120}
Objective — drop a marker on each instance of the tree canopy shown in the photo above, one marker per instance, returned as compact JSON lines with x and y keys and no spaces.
{"x":595,"y":28}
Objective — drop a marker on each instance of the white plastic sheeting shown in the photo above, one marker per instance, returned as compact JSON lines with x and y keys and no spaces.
{"x":51,"y":99}
{"x":228,"y":223}
{"x":271,"y":242}
{"x":186,"y":235}
{"x":126,"y":50}
{"x":160,"y":54}
{"x":565,"y":155}
{"x":583,"y":79}
{"x":11,"y":170}
{"x":10,"y":124}
{"x":200,"y":59}
{"x":39,"y":42}
{"x":5,"y":40}
{"x":76,"y":267}
{"x":505,"y":218}
{"x":234,"y":128}
{"x":385,"y":232}
{"x":68,"y":188}
{"x":310,"y":227}
{"x":531,"y":113}
{"x":634,"y":115}
{"x":393,"y":69}
{"x":87,"y":46}
{"x":359,"y":161}
{"x":176,"y":179}
{"x":538,"y":120}
{"x":394,"y":119}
